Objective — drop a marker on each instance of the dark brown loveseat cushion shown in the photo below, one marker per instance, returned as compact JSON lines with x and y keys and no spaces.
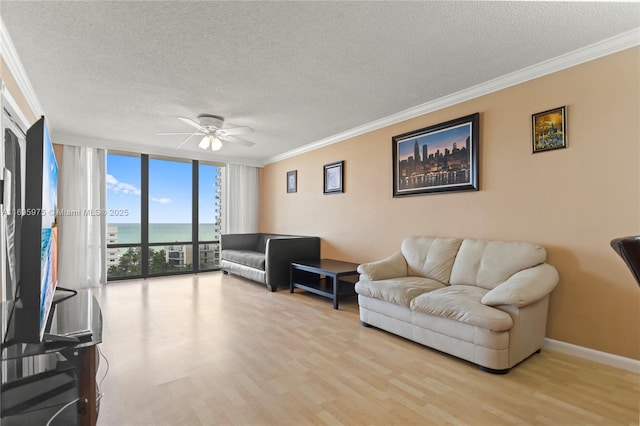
{"x":250,"y":258}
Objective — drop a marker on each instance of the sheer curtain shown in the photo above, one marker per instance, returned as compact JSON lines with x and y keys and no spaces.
{"x":239,"y":199}
{"x":82,"y":201}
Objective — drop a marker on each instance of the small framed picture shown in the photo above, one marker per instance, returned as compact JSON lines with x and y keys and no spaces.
{"x":549,"y":129}
{"x":334,"y":177}
{"x":292,"y":181}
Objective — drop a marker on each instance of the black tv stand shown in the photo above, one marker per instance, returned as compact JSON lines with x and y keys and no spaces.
{"x":74,"y":332}
{"x":48,"y":338}
{"x":58,"y":298}
{"x":51,"y":340}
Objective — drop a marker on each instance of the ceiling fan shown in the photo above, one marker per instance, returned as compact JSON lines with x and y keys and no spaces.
{"x":210,"y":127}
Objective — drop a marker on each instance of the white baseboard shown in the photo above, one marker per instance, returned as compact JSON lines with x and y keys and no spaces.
{"x":593,"y":355}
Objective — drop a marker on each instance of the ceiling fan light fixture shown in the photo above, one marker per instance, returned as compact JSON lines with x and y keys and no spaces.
{"x":210,"y":127}
{"x":204,"y":143}
{"x":216,"y":144}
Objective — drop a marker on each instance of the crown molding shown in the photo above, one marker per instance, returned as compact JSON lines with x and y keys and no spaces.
{"x":14,"y":65}
{"x":588,"y":53}
{"x":14,"y":110}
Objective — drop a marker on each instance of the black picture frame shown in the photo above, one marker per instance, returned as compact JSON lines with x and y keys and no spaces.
{"x":292,"y":181}
{"x":549,"y":130}
{"x":447,"y":158}
{"x":333,"y":178}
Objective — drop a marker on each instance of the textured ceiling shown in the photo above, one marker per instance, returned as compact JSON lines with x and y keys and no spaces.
{"x":116,"y":73}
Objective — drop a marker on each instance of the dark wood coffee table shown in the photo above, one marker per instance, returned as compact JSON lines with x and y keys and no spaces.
{"x":323,"y":277}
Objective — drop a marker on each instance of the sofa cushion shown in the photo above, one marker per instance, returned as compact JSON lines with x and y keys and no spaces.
{"x":488,"y":263}
{"x":462,"y":303}
{"x":399,"y":291}
{"x":249,"y":258}
{"x":430,"y":257}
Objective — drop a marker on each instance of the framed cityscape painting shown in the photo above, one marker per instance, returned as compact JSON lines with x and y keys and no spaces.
{"x":437,"y":159}
{"x":549,"y":129}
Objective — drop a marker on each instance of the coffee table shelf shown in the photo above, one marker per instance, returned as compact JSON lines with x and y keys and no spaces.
{"x":325,"y":277}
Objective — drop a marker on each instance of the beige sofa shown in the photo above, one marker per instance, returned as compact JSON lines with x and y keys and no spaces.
{"x":482,"y":301}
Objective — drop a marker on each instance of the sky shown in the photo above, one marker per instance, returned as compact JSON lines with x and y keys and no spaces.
{"x":50,"y":182}
{"x":169,"y":191}
{"x":436,"y":140}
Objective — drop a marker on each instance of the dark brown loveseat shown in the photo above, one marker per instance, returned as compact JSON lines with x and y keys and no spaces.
{"x":265,"y":258}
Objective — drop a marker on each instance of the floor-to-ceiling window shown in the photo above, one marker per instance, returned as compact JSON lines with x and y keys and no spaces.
{"x":170,"y":216}
{"x":124,"y":222}
{"x":169,"y":220}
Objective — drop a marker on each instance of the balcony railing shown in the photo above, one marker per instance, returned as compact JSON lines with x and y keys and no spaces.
{"x":125,"y":260}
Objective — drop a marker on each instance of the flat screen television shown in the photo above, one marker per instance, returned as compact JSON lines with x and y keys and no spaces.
{"x":38,"y":238}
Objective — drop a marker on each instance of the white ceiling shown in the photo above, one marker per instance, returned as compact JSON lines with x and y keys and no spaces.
{"x":114,"y":74}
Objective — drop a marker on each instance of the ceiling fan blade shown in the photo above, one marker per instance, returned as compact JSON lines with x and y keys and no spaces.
{"x":239,"y":141}
{"x":237,"y":130}
{"x":188,"y":137}
{"x":191,"y":123}
{"x":174,"y":133}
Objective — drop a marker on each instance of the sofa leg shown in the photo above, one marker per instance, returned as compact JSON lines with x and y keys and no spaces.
{"x":539,"y":350}
{"x":364,"y":324}
{"x":225,"y":272}
{"x":493,"y":371}
{"x":272,"y":288}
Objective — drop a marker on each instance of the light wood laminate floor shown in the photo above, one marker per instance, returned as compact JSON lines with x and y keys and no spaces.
{"x":217,"y":349}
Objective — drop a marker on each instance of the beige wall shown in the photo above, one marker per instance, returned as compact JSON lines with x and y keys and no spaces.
{"x":572,"y":201}
{"x":16,"y":93}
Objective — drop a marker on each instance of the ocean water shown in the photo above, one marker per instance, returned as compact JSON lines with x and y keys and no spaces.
{"x":129,"y":233}
{"x":45,"y":243}
{"x":47,"y":285}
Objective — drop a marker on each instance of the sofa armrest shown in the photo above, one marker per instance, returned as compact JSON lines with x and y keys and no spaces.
{"x":238,"y":241}
{"x":524,"y":287}
{"x":394,"y":266}
{"x":280,"y":252}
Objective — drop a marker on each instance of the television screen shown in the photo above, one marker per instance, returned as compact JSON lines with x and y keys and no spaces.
{"x":49,"y":233}
{"x":38,"y":237}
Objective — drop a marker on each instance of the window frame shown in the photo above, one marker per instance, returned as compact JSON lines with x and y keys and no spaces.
{"x":144,"y":245}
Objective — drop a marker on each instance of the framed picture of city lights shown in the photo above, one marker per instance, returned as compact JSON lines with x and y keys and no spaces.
{"x":437,"y":159}
{"x":549,"y":130}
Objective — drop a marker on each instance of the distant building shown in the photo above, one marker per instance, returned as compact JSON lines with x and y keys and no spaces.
{"x":112,"y":253}
{"x":182,"y":255}
{"x":179,"y":256}
{"x":209,"y":255}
